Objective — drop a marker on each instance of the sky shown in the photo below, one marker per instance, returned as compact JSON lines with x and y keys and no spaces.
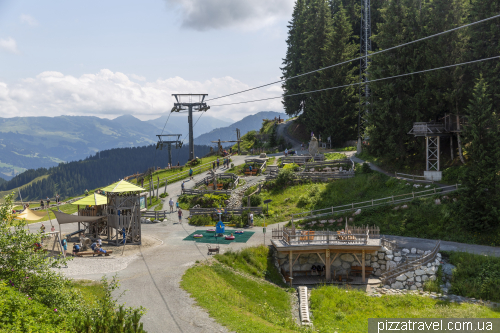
{"x":108,"y":58}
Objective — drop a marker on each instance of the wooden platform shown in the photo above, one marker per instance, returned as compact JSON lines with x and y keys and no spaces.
{"x":313,"y":280}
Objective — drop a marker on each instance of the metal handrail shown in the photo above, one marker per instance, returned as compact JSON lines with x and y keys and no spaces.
{"x":372,"y":203}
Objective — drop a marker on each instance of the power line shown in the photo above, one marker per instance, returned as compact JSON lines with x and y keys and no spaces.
{"x":359,"y":83}
{"x":358,"y":58}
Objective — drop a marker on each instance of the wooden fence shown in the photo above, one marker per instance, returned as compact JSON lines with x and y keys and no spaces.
{"x":234,"y":211}
{"x":157,"y":214}
{"x":312,"y":237}
{"x":209,"y":179}
{"x":201,"y":192}
{"x":395,"y":199}
{"x":300,"y":160}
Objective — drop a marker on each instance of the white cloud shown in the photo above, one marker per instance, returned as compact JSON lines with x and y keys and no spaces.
{"x":137,"y":77}
{"x":216,"y":14}
{"x":108,"y":94}
{"x":9,"y":44}
{"x":28,"y":19}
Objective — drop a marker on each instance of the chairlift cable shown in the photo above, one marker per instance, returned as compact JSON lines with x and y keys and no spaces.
{"x":358,"y":58}
{"x":360,"y":83}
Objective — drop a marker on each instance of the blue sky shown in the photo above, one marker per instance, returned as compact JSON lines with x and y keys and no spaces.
{"x":108,"y":58}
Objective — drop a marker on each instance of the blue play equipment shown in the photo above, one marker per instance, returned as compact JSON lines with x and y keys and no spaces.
{"x":220,"y":227}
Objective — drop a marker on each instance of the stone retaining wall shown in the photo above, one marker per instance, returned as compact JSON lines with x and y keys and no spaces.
{"x":380,"y":261}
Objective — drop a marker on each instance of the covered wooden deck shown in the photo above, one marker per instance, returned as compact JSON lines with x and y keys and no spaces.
{"x":331,"y":244}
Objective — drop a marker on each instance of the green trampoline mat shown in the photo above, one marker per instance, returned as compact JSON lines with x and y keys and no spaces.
{"x":209,"y":237}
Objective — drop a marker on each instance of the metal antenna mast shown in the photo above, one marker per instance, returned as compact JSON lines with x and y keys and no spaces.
{"x":365,"y":48}
{"x":196,"y":106}
{"x":168,"y":143}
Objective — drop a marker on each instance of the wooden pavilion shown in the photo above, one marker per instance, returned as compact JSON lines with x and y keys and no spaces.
{"x":331,"y":244}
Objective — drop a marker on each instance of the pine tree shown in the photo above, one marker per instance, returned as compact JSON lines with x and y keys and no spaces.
{"x":292,"y":62}
{"x":478,"y":207}
{"x":316,"y":54}
{"x":335,"y":112}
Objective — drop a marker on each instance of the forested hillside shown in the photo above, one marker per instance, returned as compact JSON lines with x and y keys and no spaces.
{"x":326,"y":32}
{"x":69,"y":179}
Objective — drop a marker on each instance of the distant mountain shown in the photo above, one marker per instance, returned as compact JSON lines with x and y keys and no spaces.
{"x":178,"y":124}
{"x":249,"y":123}
{"x":34,"y":142}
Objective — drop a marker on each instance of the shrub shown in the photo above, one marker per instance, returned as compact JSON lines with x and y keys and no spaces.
{"x":291,"y":166}
{"x":200,"y":220}
{"x":284,"y":177}
{"x":453,"y":174}
{"x":164,"y":195}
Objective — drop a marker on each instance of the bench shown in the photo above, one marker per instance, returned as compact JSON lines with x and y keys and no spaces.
{"x":220,"y":186}
{"x":93,"y":253}
{"x":355,"y":270}
{"x":251,"y":173}
{"x":308,"y":236}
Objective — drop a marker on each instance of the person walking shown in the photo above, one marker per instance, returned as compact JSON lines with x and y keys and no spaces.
{"x":177,"y":205}
{"x":179,"y":213}
{"x":57,"y":199}
{"x":86,"y":192}
{"x":286,"y":152}
{"x":190,"y":173}
{"x":48,"y":202}
{"x":171,"y":204}
{"x":251,"y":220}
{"x":182,"y":186}
{"x":213,"y":165}
{"x":42,"y":205}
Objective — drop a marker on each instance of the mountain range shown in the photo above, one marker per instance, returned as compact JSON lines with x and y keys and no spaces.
{"x":228,"y":133}
{"x":34,"y":142}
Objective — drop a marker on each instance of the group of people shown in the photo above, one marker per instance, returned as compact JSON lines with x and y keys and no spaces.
{"x":179,"y":210}
{"x":317,"y":269}
{"x":225,"y":163}
{"x":42,"y":204}
{"x":96,"y":247}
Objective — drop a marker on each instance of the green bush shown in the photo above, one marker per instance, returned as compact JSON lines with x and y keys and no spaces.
{"x":476,"y":275}
{"x":285,"y":176}
{"x":200,"y":220}
{"x":291,"y":166}
{"x":164,"y":195}
{"x":452,"y":175}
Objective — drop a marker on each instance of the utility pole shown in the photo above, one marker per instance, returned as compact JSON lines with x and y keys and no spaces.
{"x":161,"y":143}
{"x":365,"y":48}
{"x":238,"y":138}
{"x":186,"y":101}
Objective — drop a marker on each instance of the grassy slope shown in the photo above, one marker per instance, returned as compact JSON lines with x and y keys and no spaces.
{"x":299,"y":198}
{"x":4,"y":193}
{"x":247,"y":304}
{"x":168,"y":173}
{"x":335,"y":310}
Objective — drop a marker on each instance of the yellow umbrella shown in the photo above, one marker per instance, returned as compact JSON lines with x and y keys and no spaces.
{"x":30,"y":215}
{"x":92,"y":200}
{"x":122,"y":186}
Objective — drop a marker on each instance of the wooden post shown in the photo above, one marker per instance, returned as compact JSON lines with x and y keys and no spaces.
{"x":363,"y":265}
{"x":166,"y":181}
{"x":291,"y":267}
{"x":157,"y":187}
{"x":328,"y":272}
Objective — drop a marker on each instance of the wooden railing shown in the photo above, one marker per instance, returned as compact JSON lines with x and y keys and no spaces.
{"x":219,"y":176}
{"x":201,"y":192}
{"x":157,"y":214}
{"x":412,"y":265}
{"x":395,"y":199}
{"x":234,"y":211}
{"x":312,"y":237}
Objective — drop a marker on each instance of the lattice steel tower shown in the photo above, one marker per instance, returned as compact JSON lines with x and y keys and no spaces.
{"x":365,"y":48}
